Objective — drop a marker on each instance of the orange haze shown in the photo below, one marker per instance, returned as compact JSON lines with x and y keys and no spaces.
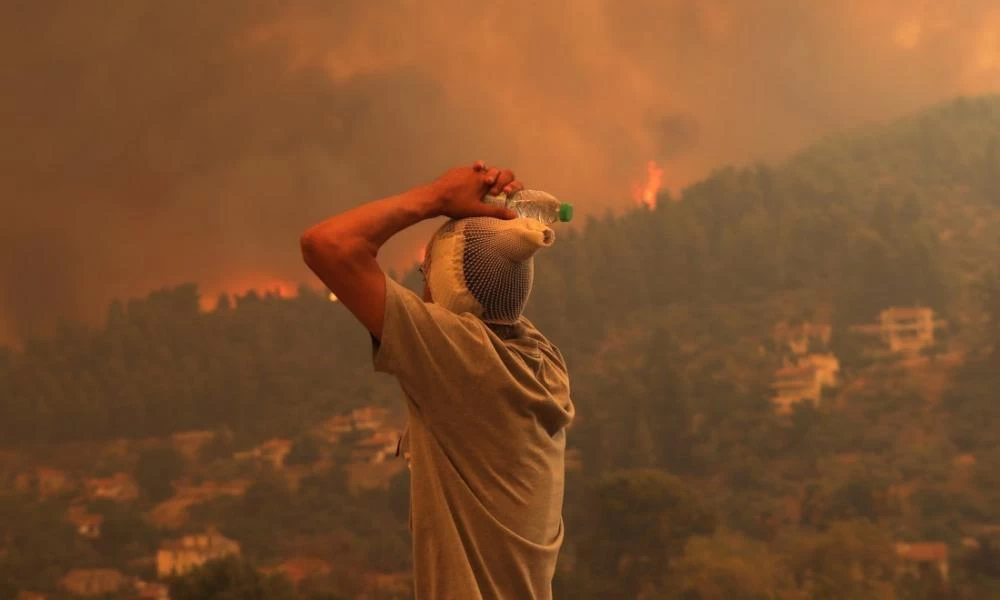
{"x":155,"y":142}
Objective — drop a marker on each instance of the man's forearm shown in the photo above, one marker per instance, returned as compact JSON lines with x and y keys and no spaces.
{"x":369,"y":226}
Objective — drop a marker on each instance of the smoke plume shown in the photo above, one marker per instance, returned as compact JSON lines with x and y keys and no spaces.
{"x":149,"y":143}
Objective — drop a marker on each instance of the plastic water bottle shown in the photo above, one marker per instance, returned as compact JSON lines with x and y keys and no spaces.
{"x":534,"y":204}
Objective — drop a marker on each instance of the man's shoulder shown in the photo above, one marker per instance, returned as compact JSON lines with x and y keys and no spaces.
{"x":542,"y":344}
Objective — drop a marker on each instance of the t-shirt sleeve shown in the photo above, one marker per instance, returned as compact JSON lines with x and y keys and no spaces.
{"x":425,"y":345}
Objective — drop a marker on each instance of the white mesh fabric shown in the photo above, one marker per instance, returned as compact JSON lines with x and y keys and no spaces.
{"x":484,"y":266}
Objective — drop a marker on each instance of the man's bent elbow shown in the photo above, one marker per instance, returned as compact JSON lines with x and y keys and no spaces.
{"x":311,"y":247}
{"x":322,"y":251}
{"x":318,"y":250}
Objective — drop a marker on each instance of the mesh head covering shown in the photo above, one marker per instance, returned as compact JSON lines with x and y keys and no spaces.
{"x":484,"y":266}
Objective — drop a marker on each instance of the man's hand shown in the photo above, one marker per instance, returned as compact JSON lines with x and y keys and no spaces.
{"x":342,"y":249}
{"x":460,"y":191}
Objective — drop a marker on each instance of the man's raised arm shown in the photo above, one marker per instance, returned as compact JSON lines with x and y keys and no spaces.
{"x":342,"y":250}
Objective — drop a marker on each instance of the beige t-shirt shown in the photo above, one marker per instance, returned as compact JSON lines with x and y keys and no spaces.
{"x":487,"y":439}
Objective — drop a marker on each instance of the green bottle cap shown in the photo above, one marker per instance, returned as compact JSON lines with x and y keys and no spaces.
{"x":565,"y":212}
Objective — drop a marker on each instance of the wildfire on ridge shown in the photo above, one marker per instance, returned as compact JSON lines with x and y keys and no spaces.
{"x":646,"y":192}
{"x":261,"y":283}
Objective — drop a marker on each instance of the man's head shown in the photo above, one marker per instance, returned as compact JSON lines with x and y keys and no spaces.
{"x":484,"y":266}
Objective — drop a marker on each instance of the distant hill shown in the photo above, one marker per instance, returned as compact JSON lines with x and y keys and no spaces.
{"x":901,"y":214}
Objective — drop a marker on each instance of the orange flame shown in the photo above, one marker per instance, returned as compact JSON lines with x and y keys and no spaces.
{"x":646,"y":192}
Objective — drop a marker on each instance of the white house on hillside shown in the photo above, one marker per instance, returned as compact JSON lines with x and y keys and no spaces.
{"x":178,"y":556}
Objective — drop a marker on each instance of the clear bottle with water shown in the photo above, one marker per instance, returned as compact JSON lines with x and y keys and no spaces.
{"x":534,"y":204}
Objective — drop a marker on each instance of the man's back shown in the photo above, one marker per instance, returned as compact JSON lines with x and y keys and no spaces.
{"x":487,"y":436}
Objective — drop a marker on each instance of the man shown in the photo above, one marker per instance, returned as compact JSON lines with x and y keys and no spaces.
{"x":487,"y":394}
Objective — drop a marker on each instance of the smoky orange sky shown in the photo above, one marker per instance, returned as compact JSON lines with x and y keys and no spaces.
{"x":148,"y":143}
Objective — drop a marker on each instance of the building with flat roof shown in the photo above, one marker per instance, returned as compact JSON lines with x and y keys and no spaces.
{"x":93,"y":582}
{"x":796,"y":384}
{"x":178,"y":556}
{"x":917,"y":557}
{"x":904,"y":330}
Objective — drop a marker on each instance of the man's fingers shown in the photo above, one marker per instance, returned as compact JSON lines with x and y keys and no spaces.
{"x":497,"y":180}
{"x":504,"y":179}
{"x":513,"y":187}
{"x":490,"y":178}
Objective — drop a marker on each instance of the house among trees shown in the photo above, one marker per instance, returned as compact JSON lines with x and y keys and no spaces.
{"x":794,"y":384}
{"x":87,"y":524}
{"x":189,"y":443}
{"x":364,"y":419}
{"x":298,"y":568}
{"x":210,"y":489}
{"x":334,"y":427}
{"x":392,"y":584}
{"x":93,"y":582}
{"x":45,"y":481}
{"x":916,"y":558}
{"x":800,"y":337}
{"x":178,"y":556}
{"x":369,"y":417}
{"x":827,"y":365}
{"x":804,"y":380}
{"x":52,"y":482}
{"x":376,"y":448}
{"x":904,"y":330}
{"x":148,"y":590}
{"x":120,"y":487}
{"x":272,"y":452}
{"x":977,"y":534}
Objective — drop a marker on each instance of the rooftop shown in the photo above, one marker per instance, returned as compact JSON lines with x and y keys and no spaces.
{"x":900,"y":312}
{"x":199,"y":541}
{"x":922,"y":551}
{"x":796,"y":372}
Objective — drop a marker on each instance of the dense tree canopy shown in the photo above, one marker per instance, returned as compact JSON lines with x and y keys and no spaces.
{"x":688,"y":483}
{"x":231,"y":579}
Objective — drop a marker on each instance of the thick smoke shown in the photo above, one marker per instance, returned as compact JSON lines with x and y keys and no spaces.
{"x":149,"y":143}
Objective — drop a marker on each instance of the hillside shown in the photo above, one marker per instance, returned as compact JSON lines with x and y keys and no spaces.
{"x":677,"y":324}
